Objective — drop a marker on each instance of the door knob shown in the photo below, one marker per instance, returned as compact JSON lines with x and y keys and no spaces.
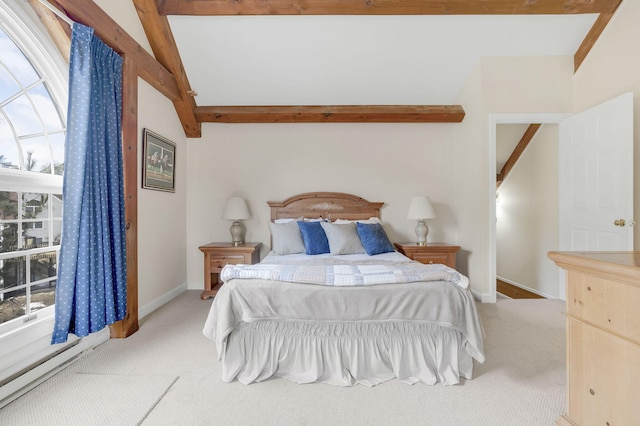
{"x":619,"y":222}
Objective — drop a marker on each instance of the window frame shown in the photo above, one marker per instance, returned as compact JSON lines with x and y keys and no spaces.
{"x":22,"y":25}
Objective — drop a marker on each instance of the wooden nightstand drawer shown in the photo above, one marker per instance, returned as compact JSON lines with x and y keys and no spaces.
{"x":432,"y":253}
{"x":427,"y":258}
{"x":218,"y":262}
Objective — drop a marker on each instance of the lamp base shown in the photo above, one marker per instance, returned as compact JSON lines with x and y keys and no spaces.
{"x":236,"y":233}
{"x":422,"y":230}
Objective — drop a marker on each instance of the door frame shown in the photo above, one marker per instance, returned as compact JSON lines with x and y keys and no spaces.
{"x":494,"y":120}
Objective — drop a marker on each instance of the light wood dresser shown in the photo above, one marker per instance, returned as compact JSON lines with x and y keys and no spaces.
{"x":603,"y":337}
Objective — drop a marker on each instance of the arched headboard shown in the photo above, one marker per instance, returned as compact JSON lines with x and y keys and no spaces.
{"x":326,"y":205}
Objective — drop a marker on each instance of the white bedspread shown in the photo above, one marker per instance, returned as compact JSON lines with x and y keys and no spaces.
{"x":307,"y":332}
{"x":346,"y":275}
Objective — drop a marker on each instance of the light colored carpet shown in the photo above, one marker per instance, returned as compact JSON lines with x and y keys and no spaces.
{"x":168,"y":374}
{"x":73,"y":398}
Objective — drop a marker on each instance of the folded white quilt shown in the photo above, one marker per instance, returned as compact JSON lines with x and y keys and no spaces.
{"x":346,"y":275}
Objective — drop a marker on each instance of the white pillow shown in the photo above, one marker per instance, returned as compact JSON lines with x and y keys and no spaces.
{"x":286,"y":238}
{"x":343,"y":238}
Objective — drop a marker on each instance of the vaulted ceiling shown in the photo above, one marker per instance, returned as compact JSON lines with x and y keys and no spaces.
{"x":257,"y":61}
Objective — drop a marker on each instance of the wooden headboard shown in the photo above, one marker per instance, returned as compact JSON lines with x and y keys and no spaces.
{"x":326,"y":205}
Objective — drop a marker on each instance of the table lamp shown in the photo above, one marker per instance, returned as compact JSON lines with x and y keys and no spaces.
{"x":236,"y":210}
{"x":420,"y":209}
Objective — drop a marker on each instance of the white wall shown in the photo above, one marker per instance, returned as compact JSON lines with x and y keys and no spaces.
{"x":161,"y":215}
{"x":497,"y":85}
{"x":611,"y":69}
{"x":527,"y":217}
{"x":380,"y":162}
{"x":271,"y":162}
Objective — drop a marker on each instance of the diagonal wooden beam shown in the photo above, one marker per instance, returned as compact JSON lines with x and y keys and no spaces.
{"x":332,"y":114}
{"x":59,"y":31}
{"x":590,"y":39}
{"x":160,"y":37}
{"x":88,"y":13}
{"x":151,"y":70}
{"x":517,"y":152}
{"x":383,"y":7}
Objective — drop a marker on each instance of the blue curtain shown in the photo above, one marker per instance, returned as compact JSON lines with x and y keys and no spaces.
{"x":91,"y":288}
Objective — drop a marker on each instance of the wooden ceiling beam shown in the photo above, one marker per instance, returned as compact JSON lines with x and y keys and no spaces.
{"x":384,"y":7}
{"x":517,"y":152}
{"x":332,"y":114}
{"x":167,"y":73}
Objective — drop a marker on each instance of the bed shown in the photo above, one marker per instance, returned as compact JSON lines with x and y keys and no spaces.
{"x":352,"y":315}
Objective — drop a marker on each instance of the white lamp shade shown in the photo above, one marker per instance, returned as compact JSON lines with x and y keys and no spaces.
{"x":236,"y":209}
{"x":421,"y":208}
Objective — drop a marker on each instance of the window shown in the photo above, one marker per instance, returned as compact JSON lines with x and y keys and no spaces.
{"x":32,"y":132}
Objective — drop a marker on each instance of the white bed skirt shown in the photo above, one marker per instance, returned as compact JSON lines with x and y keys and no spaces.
{"x":345,"y":353}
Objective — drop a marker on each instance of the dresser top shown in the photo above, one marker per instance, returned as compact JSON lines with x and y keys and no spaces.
{"x":624,"y":265}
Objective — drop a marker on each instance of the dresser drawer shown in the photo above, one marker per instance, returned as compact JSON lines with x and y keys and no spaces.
{"x":602,"y":372}
{"x":603,"y":303}
{"x":218,"y":262}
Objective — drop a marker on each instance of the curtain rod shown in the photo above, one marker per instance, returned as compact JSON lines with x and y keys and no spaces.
{"x":57,"y":12}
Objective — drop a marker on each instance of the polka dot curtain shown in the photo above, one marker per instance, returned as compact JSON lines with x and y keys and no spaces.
{"x":91,"y":289}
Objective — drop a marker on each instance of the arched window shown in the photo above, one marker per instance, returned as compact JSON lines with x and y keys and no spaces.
{"x":32,"y":131}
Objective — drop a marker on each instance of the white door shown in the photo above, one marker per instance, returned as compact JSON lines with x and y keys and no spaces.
{"x":596,"y":178}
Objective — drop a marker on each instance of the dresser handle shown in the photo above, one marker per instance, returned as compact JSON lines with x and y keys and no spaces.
{"x":592,"y":392}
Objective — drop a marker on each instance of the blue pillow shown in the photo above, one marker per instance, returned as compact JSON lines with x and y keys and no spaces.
{"x":314,"y":238}
{"x":373,"y":238}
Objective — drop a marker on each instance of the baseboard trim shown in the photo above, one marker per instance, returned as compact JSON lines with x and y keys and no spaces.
{"x":533,"y":293}
{"x":145,"y":310}
{"x":483,"y":297}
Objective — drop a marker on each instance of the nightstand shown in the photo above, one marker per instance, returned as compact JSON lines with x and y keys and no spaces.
{"x":216,"y":255}
{"x":431,"y":253}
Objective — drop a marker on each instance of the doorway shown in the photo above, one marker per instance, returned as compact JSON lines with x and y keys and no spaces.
{"x":595,"y":157}
{"x":526,"y":209}
{"x":495,"y":120}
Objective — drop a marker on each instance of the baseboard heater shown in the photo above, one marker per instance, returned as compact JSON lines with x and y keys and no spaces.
{"x":37,"y":364}
{"x":24,"y":380}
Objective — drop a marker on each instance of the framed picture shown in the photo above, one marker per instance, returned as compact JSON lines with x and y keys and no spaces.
{"x":158,"y":161}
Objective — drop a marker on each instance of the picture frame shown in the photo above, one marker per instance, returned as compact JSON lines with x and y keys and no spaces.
{"x":158,"y":162}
